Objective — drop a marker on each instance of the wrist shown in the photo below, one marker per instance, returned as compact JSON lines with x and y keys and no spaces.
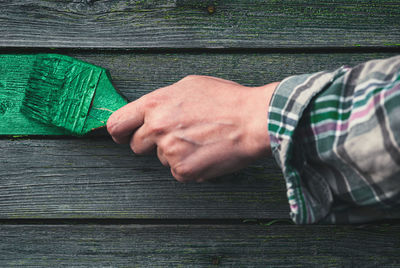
{"x":269,"y":90}
{"x":262,"y":99}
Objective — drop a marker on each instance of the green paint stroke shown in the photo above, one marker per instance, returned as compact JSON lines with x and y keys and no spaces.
{"x":51,"y":94}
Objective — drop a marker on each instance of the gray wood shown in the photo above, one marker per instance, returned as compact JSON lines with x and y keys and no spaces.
{"x":93,"y":177}
{"x":199,"y":246}
{"x":136,"y":74}
{"x":186,"y":23}
{"x":85,"y":178}
{"x":47,"y":178}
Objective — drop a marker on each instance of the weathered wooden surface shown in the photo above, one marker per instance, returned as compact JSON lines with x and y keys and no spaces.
{"x":93,"y":177}
{"x":137,"y":73}
{"x":199,"y":246}
{"x":74,"y":183}
{"x":86,"y":178}
{"x":188,"y":24}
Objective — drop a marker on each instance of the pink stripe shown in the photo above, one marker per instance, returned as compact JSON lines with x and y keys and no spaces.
{"x":294,"y":208}
{"x":371,"y":105}
{"x":343,"y":126}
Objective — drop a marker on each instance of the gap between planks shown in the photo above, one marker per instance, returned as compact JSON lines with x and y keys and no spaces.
{"x":110,"y":221}
{"x":200,"y":50}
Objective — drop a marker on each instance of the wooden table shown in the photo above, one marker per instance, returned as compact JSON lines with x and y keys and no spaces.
{"x":87,"y":202}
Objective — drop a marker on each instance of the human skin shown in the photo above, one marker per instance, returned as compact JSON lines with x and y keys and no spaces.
{"x":201,"y":127}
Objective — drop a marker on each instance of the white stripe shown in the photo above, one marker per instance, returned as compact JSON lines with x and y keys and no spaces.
{"x":365,"y":85}
{"x":326,"y":110}
{"x":356,"y":121}
{"x":290,"y":97}
{"x":290,"y":115}
{"x":275,"y":122}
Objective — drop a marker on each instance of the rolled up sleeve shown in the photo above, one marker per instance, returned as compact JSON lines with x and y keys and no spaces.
{"x":336,"y":137}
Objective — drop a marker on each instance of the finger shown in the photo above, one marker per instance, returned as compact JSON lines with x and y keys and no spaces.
{"x":204,"y":167}
{"x":121,"y":140}
{"x":141,"y":142}
{"x":125,"y":121}
{"x":178,"y":176}
{"x":161,"y":157}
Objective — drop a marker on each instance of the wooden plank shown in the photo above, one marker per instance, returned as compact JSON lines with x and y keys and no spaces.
{"x":199,"y":246}
{"x":188,"y":24}
{"x":92,"y":178}
{"x":136,"y":74}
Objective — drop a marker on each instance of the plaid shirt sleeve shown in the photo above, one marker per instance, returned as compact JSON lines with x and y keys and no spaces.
{"x":336,"y":137}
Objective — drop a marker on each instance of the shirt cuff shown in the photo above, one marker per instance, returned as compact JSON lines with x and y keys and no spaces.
{"x":291,"y":98}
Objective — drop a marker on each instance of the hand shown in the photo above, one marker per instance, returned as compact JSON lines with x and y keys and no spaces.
{"x":201,"y":127}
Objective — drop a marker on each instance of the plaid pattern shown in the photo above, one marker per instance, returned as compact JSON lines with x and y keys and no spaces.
{"x":336,"y":136}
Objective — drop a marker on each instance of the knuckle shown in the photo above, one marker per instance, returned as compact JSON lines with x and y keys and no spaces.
{"x":156,"y":127}
{"x":191,"y":77}
{"x":153,"y":100}
{"x":150,"y":103}
{"x":165,"y":143}
{"x":171,"y":151}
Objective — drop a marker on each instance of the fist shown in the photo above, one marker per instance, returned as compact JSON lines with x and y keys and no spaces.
{"x":200,"y":127}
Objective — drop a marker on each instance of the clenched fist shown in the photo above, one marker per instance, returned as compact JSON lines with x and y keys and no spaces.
{"x":201,"y":127}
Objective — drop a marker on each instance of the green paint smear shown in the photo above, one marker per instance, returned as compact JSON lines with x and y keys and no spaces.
{"x":51,"y":94}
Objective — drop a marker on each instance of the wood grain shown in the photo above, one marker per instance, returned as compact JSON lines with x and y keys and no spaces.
{"x":85,"y":178}
{"x":189,"y":24}
{"x":45,"y":178}
{"x":93,"y":177}
{"x":199,"y":246}
{"x":136,"y":74}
